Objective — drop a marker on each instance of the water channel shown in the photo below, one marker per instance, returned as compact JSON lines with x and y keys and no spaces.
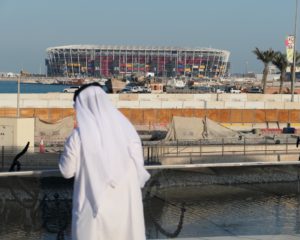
{"x":219,"y":202}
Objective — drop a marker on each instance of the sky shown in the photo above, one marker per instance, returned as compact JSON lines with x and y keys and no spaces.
{"x":29,"y":27}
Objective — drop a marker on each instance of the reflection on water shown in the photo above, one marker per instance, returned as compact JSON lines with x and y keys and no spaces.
{"x":34,"y":208}
{"x":40,"y":208}
{"x":224,"y":210}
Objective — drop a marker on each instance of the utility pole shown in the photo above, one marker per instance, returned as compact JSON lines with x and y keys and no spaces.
{"x":18,"y":96}
{"x":294,"y":54}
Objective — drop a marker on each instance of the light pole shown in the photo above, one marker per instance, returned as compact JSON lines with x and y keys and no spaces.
{"x":294,"y":53}
{"x":18,"y":96}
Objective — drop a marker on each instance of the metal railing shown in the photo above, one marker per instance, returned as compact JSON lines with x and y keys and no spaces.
{"x":154,"y":152}
{"x":31,"y":160}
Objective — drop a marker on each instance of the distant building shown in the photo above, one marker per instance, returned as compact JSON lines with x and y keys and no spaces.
{"x":99,"y":60}
{"x":273,"y":74}
{"x":8,"y":74}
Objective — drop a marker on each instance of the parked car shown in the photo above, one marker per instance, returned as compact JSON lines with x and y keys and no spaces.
{"x":130,"y":88}
{"x":254,"y":90}
{"x":71,"y":89}
{"x":235,"y":90}
{"x":220,"y":90}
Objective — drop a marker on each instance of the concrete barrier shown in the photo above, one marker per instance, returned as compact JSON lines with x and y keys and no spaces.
{"x":172,"y":104}
{"x":291,"y":105}
{"x":274,"y":105}
{"x":214,"y":105}
{"x":150,"y":104}
{"x":127,"y":104}
{"x":234,"y":105}
{"x":251,"y":101}
{"x":193,"y":104}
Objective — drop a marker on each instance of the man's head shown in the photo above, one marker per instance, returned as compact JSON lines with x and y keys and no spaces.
{"x":84,"y":87}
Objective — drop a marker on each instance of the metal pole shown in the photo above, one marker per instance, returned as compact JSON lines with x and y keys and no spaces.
{"x":244,"y":145}
{"x":2,"y":157}
{"x":222,"y":146}
{"x":294,"y":54}
{"x":18,"y":97}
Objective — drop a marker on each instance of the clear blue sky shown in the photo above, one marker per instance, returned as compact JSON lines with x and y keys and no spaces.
{"x":29,"y":27}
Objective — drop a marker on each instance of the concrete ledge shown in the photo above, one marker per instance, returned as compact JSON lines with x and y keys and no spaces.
{"x":9,"y":103}
{"x":194,"y":104}
{"x":247,"y":237}
{"x":56,"y":172}
{"x":211,"y":101}
{"x":234,"y":105}
{"x":150,"y":104}
{"x":172,"y":104}
{"x":218,"y":165}
{"x":291,"y":105}
{"x":127,"y":104}
{"x":214,"y":105}
{"x":205,"y":97}
{"x":275,"y":105}
{"x":254,"y":105}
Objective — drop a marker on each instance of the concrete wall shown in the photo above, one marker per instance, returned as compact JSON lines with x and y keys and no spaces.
{"x":155,"y":116}
{"x":214,"y":101}
{"x":158,"y":109}
{"x":16,"y":131}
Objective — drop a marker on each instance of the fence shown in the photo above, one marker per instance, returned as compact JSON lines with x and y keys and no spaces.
{"x":155,"y":152}
{"x":243,"y":146}
{"x":32,"y":159}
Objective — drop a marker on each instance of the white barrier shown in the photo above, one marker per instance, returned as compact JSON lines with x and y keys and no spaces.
{"x":208,"y":101}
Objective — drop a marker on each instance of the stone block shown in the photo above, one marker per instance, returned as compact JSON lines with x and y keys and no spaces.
{"x":291,"y":105}
{"x":235,"y":105}
{"x":194,"y":104}
{"x":127,"y":104}
{"x":150,"y":104}
{"x":172,"y":104}
{"x":254,"y":105}
{"x":274,"y":105}
{"x":214,"y":105}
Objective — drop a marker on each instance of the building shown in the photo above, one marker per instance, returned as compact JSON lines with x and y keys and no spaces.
{"x":99,"y":60}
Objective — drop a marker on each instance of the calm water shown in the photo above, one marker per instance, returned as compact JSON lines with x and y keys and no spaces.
{"x":41,"y":209}
{"x":12,"y":87}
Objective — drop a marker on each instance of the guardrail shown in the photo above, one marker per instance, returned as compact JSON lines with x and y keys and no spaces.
{"x":155,"y":152}
{"x":31,"y":160}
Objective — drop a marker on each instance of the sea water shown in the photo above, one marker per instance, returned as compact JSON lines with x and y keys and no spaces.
{"x":41,"y":209}
{"x":12,"y":87}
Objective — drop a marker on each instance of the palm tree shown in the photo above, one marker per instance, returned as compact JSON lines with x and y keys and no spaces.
{"x":280,"y":61}
{"x":266,"y":57}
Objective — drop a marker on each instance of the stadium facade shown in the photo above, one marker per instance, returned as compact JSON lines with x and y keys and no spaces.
{"x":105,"y":61}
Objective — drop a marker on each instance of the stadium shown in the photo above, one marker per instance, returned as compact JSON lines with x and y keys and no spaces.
{"x":105,"y":61}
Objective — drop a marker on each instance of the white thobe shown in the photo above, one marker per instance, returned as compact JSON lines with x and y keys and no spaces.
{"x":120,"y":215}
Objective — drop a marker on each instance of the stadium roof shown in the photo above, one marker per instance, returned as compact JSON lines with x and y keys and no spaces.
{"x":135,"y":48}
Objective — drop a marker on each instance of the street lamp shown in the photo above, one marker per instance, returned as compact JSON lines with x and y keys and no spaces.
{"x":18,"y":96}
{"x":294,"y":54}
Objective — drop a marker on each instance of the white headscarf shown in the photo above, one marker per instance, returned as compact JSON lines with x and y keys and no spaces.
{"x":105,"y":136}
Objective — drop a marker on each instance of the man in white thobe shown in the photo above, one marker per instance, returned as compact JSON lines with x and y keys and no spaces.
{"x":104,"y":155}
